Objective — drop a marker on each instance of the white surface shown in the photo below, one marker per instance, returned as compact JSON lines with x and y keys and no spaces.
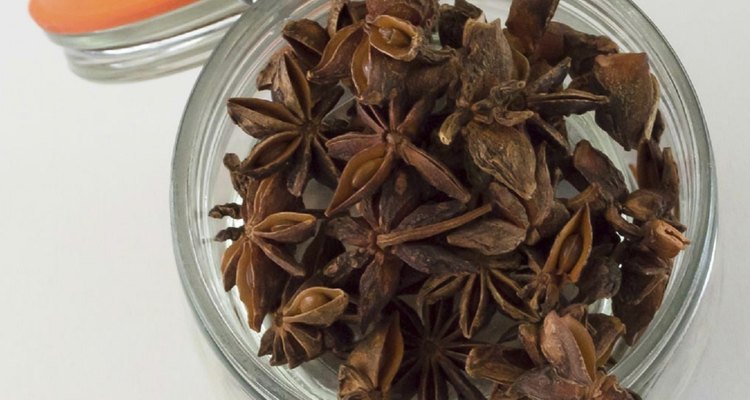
{"x":91,"y":306}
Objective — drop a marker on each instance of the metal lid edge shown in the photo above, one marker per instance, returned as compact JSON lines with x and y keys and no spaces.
{"x":173,"y":23}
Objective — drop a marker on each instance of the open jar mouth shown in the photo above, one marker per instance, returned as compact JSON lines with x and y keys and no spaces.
{"x":199,"y":181}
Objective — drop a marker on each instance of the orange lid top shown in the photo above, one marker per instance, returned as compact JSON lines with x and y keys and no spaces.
{"x":83,"y":16}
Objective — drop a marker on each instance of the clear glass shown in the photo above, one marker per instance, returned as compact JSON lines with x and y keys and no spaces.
{"x":655,"y":367}
{"x":168,"y":43}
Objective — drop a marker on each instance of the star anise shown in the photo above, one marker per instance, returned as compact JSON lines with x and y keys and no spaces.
{"x":290,"y":129}
{"x":373,"y":156}
{"x":374,"y":53}
{"x":601,"y":277}
{"x":497,"y":108}
{"x":344,"y":13}
{"x":644,"y":280}
{"x":422,"y":13}
{"x":499,"y":83}
{"x":597,"y":169}
{"x":307,"y":40}
{"x":298,"y":329}
{"x":259,"y":261}
{"x":540,"y":288}
{"x":560,"y":41}
{"x":493,"y":283}
{"x":565,"y":262}
{"x":369,"y":371}
{"x":656,"y":170}
{"x":633,"y":97}
{"x":434,"y":356}
{"x":391,"y":232}
{"x":565,"y":359}
{"x":540,"y":208}
{"x":527,"y":22}
{"x":572,"y":372}
{"x":572,"y":247}
{"x":452,"y":21}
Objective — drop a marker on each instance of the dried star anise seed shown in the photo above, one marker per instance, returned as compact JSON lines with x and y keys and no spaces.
{"x":297,"y":331}
{"x":572,"y":247}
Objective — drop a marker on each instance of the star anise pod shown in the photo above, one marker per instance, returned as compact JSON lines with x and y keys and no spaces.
{"x":527,"y":22}
{"x":489,"y":67}
{"x":496,"y":110}
{"x":291,"y":130}
{"x":560,"y":41}
{"x":570,"y":251}
{"x":512,"y":92}
{"x":644,"y":279}
{"x":422,"y":13}
{"x":392,"y":231}
{"x":531,"y":103}
{"x":307,"y":40}
{"x":505,"y":238}
{"x":572,"y":370}
{"x":601,"y":277}
{"x":633,"y":94}
{"x":373,"y":156}
{"x":656,"y":169}
{"x":540,"y":207}
{"x":597,"y":169}
{"x":566,"y":358}
{"x":488,"y":60}
{"x":259,"y":261}
{"x":374,"y":53}
{"x":452,"y":21}
{"x":476,"y":291}
{"x":297,"y":331}
{"x":369,"y":371}
{"x":434,"y":356}
{"x":344,"y":13}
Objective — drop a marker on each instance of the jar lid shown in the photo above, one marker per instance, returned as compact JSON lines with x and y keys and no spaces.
{"x":138,"y":39}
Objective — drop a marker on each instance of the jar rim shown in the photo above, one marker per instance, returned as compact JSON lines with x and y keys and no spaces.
{"x":643,"y":362}
{"x":82,"y":16}
{"x":152,"y":47}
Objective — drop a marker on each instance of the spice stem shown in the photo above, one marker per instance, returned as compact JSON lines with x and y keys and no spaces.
{"x":424,"y":232}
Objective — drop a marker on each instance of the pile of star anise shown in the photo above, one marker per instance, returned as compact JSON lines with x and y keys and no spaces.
{"x":465,"y":236}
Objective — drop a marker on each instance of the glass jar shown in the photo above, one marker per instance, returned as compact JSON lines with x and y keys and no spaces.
{"x":123,"y":44}
{"x":656,"y":367}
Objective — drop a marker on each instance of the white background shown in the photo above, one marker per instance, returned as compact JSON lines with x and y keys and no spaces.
{"x":91,"y":305}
